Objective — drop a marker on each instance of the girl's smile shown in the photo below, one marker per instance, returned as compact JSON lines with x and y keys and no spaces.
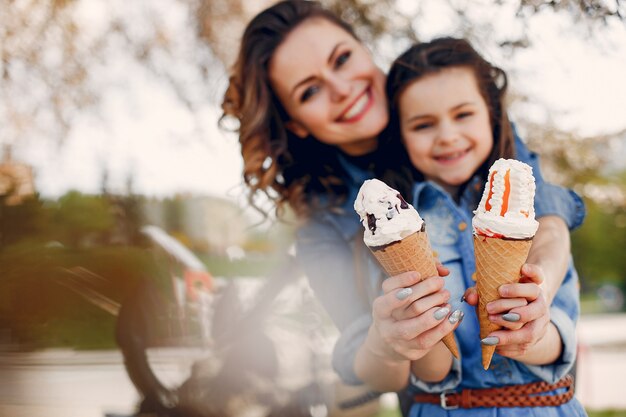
{"x":445,"y":125}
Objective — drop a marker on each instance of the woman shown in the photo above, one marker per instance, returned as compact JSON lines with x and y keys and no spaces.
{"x":311,"y":104}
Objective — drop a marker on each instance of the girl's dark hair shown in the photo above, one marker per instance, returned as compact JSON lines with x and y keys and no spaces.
{"x":429,"y":58}
{"x":286,"y":168}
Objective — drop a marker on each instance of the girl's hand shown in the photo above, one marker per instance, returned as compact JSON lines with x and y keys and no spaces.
{"x":522,"y":311}
{"x":410,"y":317}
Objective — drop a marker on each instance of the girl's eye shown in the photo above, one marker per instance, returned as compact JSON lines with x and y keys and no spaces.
{"x":464,"y":114}
{"x":421,"y":126}
{"x":308,"y":93}
{"x":342,"y":59}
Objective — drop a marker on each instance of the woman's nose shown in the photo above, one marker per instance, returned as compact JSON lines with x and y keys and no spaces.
{"x":340,"y":87}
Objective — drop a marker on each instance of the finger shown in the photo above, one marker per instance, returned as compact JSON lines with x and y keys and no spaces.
{"x":513,"y":351}
{"x":510,"y":321}
{"x":528,"y":291}
{"x":400,"y":298}
{"x":426,"y":287}
{"x":442,"y":270}
{"x":532,"y":273}
{"x":421,"y":305}
{"x":412,"y":328}
{"x":532,"y":311}
{"x":528,"y":334}
{"x":404,"y":280}
{"x":505,"y":304}
{"x":430,"y":338}
{"x":384,"y":305}
{"x":471,"y":296}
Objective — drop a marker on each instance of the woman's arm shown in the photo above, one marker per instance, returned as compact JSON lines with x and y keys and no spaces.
{"x":549,"y":255}
{"x":407,"y":329}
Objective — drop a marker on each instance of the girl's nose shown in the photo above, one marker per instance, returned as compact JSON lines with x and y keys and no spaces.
{"x":447,"y":133}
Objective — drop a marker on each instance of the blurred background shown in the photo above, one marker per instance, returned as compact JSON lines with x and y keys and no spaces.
{"x":135,"y":280}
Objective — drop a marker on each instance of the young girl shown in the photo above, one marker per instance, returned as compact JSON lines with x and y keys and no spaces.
{"x":310,"y":104}
{"x":447,"y":106}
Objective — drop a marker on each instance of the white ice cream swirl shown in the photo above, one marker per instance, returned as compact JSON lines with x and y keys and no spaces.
{"x":506,"y":209}
{"x":385,"y":215}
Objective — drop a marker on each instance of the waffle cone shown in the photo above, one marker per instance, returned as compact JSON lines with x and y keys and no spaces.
{"x":498,"y":262}
{"x":413,"y":253}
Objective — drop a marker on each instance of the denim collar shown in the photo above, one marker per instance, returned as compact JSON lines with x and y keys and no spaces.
{"x":469,"y":199}
{"x":344,"y":218}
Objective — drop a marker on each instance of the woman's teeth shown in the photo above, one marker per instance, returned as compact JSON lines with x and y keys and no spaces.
{"x":357,"y":107}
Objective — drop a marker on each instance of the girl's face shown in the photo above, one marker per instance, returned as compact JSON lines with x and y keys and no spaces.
{"x":445,"y":126}
{"x":330,"y":87}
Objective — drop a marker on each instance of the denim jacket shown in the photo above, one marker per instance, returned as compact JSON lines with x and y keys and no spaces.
{"x":449,"y":230}
{"x":331,"y":253}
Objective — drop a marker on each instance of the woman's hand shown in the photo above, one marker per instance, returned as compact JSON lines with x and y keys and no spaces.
{"x":409,"y":319}
{"x":410,"y":316}
{"x":522,"y":311}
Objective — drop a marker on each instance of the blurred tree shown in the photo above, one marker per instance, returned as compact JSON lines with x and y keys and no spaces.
{"x":81,"y":219}
{"x":58,"y":56}
{"x":29,"y":219}
{"x":598,"y":246}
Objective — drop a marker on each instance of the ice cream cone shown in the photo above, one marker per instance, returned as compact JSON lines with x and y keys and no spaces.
{"x":498,"y":262}
{"x":413,"y":253}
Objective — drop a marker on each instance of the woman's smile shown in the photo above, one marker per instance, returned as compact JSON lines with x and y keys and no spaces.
{"x":358,"y":108}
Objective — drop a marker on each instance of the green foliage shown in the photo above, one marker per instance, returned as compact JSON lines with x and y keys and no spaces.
{"x":17,"y":221}
{"x":598,"y":246}
{"x":54,"y":255}
{"x":41,"y":295}
{"x":82,"y":217}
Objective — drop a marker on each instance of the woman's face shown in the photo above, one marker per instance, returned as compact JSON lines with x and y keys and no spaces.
{"x":445,"y":126}
{"x":330,"y":87}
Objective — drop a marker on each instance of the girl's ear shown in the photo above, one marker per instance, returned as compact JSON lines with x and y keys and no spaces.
{"x":297,"y":129}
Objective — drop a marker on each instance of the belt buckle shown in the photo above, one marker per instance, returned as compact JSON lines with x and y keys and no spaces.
{"x":443,"y":401}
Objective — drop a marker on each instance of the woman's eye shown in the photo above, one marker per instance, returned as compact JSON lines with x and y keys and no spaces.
{"x":341,"y":59}
{"x":308,"y":93}
{"x":464,"y":114}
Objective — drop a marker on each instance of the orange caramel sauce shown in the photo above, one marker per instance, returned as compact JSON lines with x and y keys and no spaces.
{"x":507,"y":193}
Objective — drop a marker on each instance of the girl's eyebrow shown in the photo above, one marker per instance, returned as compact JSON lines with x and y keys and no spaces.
{"x":312,"y":77}
{"x":458,"y":106}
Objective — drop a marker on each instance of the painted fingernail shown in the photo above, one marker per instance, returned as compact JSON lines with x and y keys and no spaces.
{"x":456,"y":316}
{"x":490,"y":341}
{"x":404,"y":293}
{"x":512,"y":317}
{"x":441,"y":313}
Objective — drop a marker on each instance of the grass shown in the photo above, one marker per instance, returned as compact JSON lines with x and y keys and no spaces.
{"x":591,"y":413}
{"x":607,"y":413}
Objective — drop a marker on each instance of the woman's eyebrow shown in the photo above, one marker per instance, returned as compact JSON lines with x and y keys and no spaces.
{"x":312,"y":77}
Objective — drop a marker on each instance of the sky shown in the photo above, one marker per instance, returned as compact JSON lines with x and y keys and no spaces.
{"x":142,"y":131}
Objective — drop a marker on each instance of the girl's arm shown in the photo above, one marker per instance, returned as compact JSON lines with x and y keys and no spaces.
{"x":533,"y":339}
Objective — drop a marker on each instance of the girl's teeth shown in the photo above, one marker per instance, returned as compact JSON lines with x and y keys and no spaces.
{"x":453,"y":156}
{"x":357,"y":107}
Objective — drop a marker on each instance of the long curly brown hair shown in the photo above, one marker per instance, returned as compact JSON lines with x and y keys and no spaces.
{"x":431,"y":57}
{"x":277,"y":163}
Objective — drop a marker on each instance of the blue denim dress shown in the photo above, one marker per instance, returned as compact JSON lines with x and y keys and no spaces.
{"x":346,"y":278}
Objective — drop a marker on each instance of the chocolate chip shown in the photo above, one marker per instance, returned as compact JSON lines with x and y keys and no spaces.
{"x":371,"y":222}
{"x":403,"y":203}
